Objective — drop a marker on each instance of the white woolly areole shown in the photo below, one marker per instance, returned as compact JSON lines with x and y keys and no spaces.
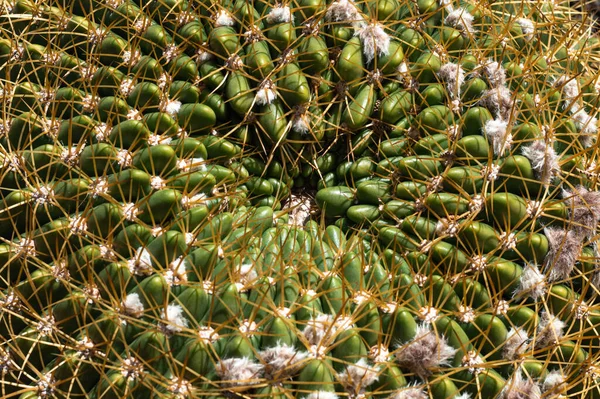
{"x":565,"y":246}
{"x":587,"y":126}
{"x":280,"y":14}
{"x":173,"y":319}
{"x":224,"y":18}
{"x":171,"y":107}
{"x":344,"y":11}
{"x":499,"y":100}
{"x":554,"y":381}
{"x":266,"y":93}
{"x":132,"y":305}
{"x":532,"y":283}
{"x":409,"y":393}
{"x":239,"y":372}
{"x":495,"y":73}
{"x":521,"y":388}
{"x":177,"y":271}
{"x":425,"y":352}
{"x":462,"y":20}
{"x":544,"y":160}
{"x":527,"y":27}
{"x":281,"y":360}
{"x":550,"y":330}
{"x":374,"y":41}
{"x":319,"y":328}
{"x":322,"y":395}
{"x":463,"y":395}
{"x":454,"y":76}
{"x":357,"y":377}
{"x":515,"y":344}
{"x":141,"y":263}
{"x":497,"y":132}
{"x":584,"y":210}
{"x":570,"y":91}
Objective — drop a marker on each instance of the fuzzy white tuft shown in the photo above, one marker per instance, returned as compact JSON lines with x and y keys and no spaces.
{"x":374,"y":41}
{"x":322,"y":395}
{"x":357,"y":377}
{"x":224,"y":18}
{"x":344,"y":11}
{"x":141,"y":263}
{"x":280,"y":14}
{"x":472,"y":362}
{"x":462,"y":20}
{"x":176,"y":273}
{"x":544,"y":160}
{"x":554,"y":382}
{"x":584,"y":209}
{"x":464,"y":395}
{"x":266,"y":93}
{"x":281,"y":360}
{"x":496,"y":130}
{"x":409,"y":393}
{"x":520,"y":388}
{"x":550,"y":330}
{"x":425,"y":352}
{"x":318,"y":329}
{"x":527,"y":27}
{"x":239,"y":372}
{"x":570,"y":91}
{"x":495,"y":73}
{"x":532,"y":283}
{"x":564,"y":249}
{"x":132,"y":306}
{"x":499,"y":100}
{"x":515,"y":344}
{"x":454,"y":76}
{"x":171,"y":107}
{"x":173,"y":319}
{"x":587,"y":125}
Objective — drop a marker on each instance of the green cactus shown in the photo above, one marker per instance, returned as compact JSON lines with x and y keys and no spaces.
{"x":312,"y":199}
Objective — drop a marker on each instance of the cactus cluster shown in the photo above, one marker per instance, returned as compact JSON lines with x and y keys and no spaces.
{"x":308,"y":199}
